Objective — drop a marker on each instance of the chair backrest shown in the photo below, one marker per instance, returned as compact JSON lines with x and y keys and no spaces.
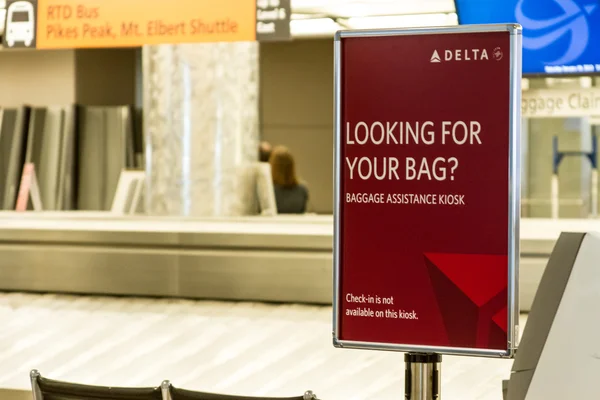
{"x":183,"y":394}
{"x":49,"y":389}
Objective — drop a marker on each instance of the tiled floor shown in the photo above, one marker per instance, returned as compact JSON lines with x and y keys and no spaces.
{"x":238,"y":348}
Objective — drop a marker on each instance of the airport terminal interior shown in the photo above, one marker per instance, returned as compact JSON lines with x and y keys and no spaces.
{"x":144,"y":238}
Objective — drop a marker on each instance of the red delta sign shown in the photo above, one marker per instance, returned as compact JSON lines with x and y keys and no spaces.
{"x":427,"y":189}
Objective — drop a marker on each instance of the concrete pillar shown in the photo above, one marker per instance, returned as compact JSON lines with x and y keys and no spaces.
{"x":201,"y":125}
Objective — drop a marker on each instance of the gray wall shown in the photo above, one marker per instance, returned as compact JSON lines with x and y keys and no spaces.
{"x":297,"y":110}
{"x":105,"y":76}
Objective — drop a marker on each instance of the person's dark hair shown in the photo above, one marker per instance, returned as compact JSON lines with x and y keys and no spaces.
{"x":283,"y":167}
{"x":264,"y":152}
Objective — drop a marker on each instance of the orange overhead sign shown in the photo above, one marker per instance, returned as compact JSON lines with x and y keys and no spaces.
{"x":132,"y":23}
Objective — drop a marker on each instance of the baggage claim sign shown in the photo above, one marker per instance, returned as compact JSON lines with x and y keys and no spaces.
{"x":427,"y":189}
{"x":55,"y":24}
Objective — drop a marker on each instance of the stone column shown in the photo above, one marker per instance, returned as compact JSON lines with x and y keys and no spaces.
{"x":200,"y":125}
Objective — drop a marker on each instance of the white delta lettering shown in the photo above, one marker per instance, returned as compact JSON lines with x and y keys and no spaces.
{"x":350,"y":298}
{"x":466,"y":55}
{"x":365,"y":198}
{"x":390,"y":133}
{"x":380,"y":168}
{"x":461,"y":133}
{"x":398,"y":132}
{"x":438,"y":169}
{"x":451,"y":199}
{"x":408,"y":134}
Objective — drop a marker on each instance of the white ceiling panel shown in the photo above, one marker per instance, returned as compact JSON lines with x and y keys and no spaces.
{"x":402,"y":21}
{"x":311,"y":28}
{"x":364,"y":8}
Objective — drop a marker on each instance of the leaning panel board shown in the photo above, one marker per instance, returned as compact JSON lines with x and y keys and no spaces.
{"x":7,"y":127}
{"x":17,"y":130}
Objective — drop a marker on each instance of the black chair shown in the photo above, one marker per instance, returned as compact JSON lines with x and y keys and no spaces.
{"x":49,"y":389}
{"x":183,"y":394}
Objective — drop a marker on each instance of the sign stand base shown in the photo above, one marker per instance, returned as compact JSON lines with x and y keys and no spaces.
{"x":423,"y":376}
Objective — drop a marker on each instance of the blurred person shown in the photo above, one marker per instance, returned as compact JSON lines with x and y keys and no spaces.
{"x":255,"y":193}
{"x":291,"y":196}
{"x":264,"y":151}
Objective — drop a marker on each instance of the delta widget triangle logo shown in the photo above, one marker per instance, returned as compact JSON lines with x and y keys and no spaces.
{"x":435,"y":57}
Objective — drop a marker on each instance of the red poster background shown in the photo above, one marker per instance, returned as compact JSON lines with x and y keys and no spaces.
{"x":448,"y":264}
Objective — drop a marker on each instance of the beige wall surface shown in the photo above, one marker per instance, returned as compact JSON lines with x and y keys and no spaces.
{"x":297,"y":110}
{"x":53,"y":77}
{"x":37,"y":77}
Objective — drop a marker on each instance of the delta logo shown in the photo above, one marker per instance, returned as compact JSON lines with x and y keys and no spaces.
{"x":465,"y":55}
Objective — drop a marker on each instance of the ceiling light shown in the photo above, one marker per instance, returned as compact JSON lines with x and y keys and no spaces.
{"x":313,"y":27}
{"x":354,"y":10}
{"x":403,"y":21}
{"x":302,"y":16}
{"x":364,"y":8}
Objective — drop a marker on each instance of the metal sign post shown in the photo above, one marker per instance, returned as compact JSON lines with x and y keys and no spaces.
{"x":423,"y":376}
{"x":427,"y":191}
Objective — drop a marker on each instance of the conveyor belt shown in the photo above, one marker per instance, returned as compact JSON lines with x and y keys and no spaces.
{"x":248,"y":258}
{"x":239,"y":348}
{"x":537,"y":235}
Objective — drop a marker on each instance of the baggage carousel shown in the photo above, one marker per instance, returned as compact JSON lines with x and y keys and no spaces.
{"x":267,"y":259}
